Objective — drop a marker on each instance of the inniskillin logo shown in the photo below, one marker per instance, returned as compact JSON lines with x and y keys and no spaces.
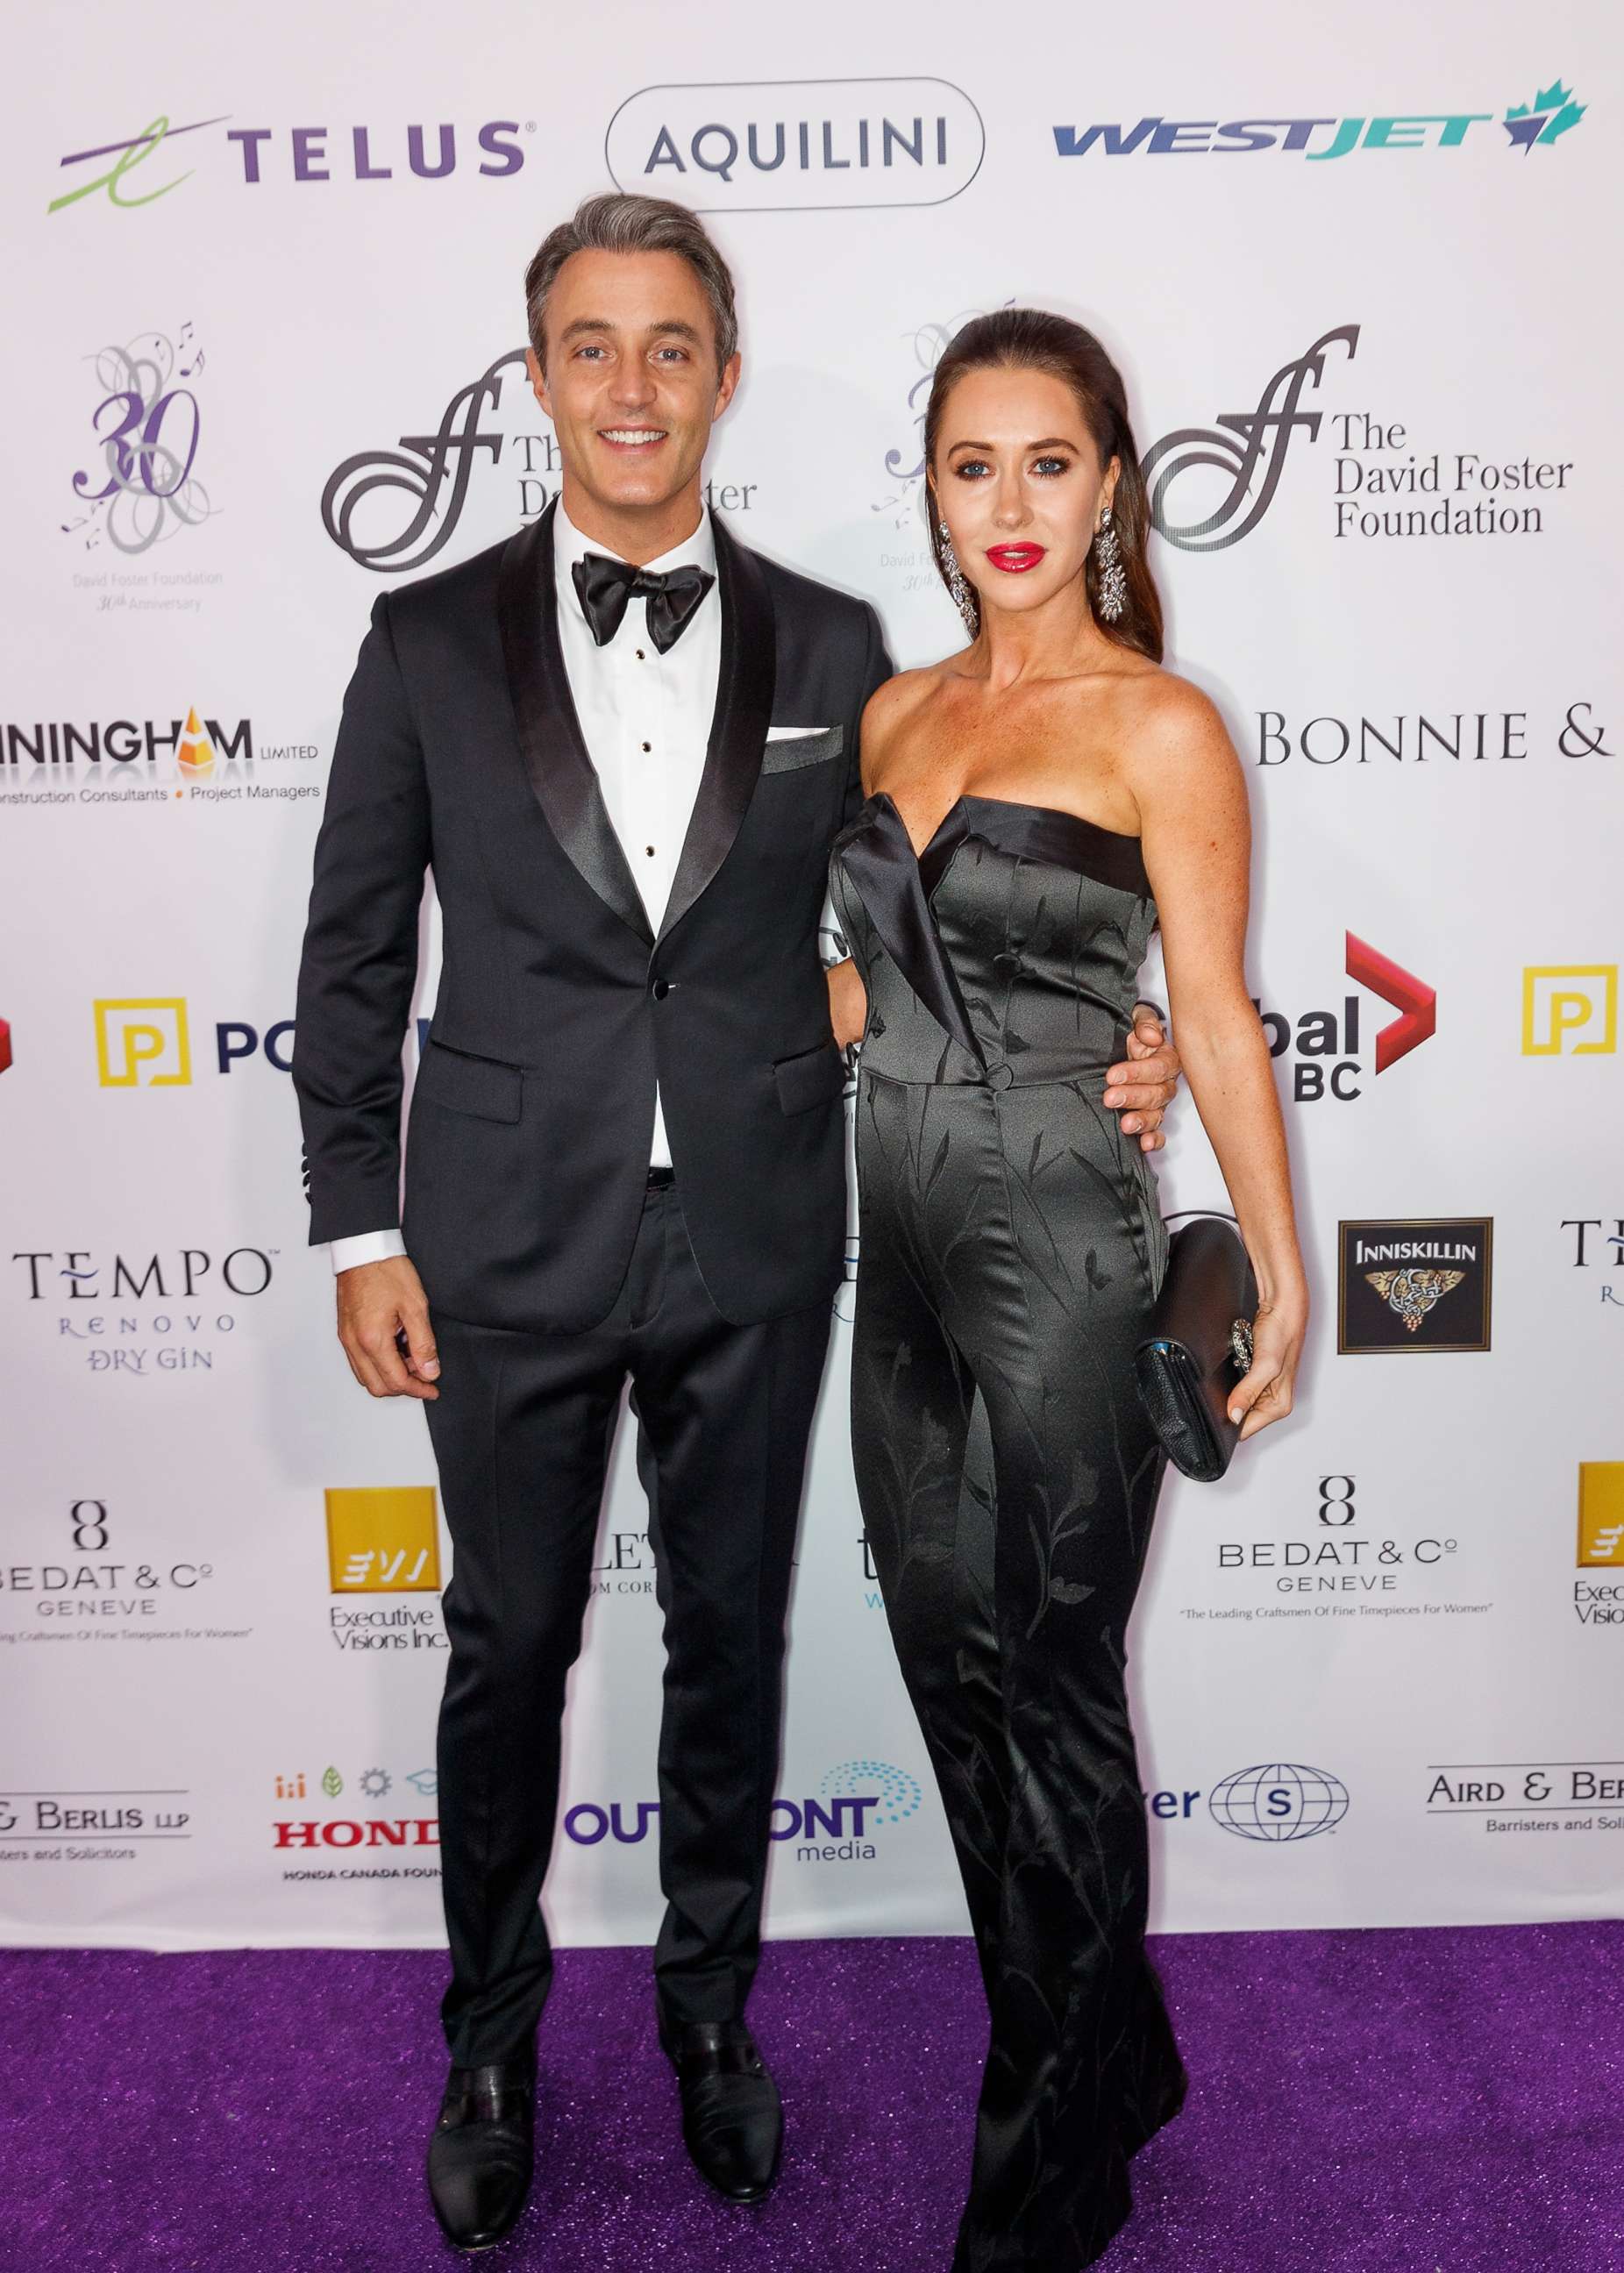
{"x":772,"y":145}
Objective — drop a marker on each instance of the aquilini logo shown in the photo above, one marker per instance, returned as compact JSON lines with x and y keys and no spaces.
{"x":1252,"y":464}
{"x":143,"y":1043}
{"x":1570,"y":1009}
{"x":1552,"y":113}
{"x":1601,"y":1515}
{"x":770,"y":144}
{"x":1537,"y":125}
{"x":383,"y":1540}
{"x":1414,"y":1286}
{"x":1280,"y":1802}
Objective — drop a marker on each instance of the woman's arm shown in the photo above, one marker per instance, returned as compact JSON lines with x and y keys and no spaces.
{"x":1192,"y":799}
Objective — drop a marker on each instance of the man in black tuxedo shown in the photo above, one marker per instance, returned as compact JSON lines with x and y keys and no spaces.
{"x":623,"y":742}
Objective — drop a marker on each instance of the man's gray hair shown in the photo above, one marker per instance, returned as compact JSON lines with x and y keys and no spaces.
{"x":617,"y":223}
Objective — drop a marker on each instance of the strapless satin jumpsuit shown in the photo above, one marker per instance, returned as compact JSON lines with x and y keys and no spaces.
{"x":1011,"y":1248}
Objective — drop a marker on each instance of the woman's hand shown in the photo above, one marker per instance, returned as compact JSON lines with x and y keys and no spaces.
{"x":848,"y":1002}
{"x":1266,"y":1393}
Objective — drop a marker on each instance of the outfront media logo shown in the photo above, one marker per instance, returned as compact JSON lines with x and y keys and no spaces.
{"x":383,"y":1540}
{"x":1420,"y":1285}
{"x":767,"y":146}
{"x":1570,"y":1009}
{"x":838,"y":1823}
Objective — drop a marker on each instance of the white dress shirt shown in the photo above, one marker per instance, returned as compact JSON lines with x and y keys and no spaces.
{"x":646,"y":720}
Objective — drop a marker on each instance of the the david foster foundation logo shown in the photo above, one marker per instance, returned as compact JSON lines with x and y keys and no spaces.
{"x":1415,"y":1285}
{"x":1384,"y":483}
{"x":769,"y":145}
{"x":393,"y":510}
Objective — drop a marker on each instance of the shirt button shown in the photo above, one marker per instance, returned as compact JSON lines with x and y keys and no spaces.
{"x":646,"y":748}
{"x":649,"y":850}
{"x":640,"y":656}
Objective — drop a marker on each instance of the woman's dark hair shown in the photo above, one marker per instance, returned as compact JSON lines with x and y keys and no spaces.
{"x":1030,"y":338}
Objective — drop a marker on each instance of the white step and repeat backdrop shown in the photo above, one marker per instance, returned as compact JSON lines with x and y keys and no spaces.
{"x":266,"y":362}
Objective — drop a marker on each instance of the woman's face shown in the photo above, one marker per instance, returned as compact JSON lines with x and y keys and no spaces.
{"x":1020,"y":484}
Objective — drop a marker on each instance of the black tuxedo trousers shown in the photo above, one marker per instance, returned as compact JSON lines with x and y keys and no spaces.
{"x":521,"y":1431}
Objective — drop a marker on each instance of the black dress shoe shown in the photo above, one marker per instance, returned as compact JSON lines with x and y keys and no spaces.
{"x":732,"y":2119}
{"x":481,"y":2152}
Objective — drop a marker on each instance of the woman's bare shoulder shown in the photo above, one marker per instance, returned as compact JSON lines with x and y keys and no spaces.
{"x":890,"y":707}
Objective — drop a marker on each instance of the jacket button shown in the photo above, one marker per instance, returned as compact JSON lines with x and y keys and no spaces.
{"x":660,"y":988}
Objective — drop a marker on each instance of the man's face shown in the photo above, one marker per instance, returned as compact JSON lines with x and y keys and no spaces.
{"x":631,"y":382}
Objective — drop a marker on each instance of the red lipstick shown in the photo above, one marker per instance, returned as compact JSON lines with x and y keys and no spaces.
{"x":1013,"y":558}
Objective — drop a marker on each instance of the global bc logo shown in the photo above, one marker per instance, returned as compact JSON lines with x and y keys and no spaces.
{"x":770,"y":145}
{"x":1324,"y":1046}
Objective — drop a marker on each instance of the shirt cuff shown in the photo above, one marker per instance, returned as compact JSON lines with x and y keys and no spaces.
{"x":366,"y":1247}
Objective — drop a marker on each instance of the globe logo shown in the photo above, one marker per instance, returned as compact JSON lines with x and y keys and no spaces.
{"x":898,"y":1794}
{"x":1278,"y":1801}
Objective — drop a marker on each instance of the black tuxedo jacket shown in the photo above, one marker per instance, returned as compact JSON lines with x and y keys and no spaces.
{"x":559,"y":1007}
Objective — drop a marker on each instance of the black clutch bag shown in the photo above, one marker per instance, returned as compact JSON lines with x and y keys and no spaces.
{"x":1198,"y":1346}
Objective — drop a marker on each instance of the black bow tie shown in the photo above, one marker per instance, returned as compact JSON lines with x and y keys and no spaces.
{"x":605,"y":587}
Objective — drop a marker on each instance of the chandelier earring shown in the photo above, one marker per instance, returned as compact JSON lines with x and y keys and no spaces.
{"x":1110,"y":578}
{"x":963,"y":599}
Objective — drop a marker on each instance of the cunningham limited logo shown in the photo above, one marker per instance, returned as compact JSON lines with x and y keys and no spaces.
{"x":767,"y":146}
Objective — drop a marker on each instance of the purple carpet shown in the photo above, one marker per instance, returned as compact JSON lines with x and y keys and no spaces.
{"x":1414,"y":2101}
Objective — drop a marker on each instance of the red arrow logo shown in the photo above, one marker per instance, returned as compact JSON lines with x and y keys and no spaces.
{"x":1417,"y":1002}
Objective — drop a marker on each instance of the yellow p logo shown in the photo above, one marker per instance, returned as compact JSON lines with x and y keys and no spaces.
{"x":143,"y":1044}
{"x":1563,"y":1001}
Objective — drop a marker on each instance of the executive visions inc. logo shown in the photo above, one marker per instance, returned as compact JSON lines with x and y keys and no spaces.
{"x":1415,"y":1285}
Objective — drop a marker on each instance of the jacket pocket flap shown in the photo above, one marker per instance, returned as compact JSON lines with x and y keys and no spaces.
{"x":814,"y":1078}
{"x":810,"y":749}
{"x":482,"y":1086}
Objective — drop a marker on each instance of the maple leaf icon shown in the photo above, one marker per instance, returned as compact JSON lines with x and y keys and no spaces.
{"x":1552,"y":112}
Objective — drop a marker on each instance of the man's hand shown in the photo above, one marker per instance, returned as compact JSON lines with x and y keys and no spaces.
{"x":1143,"y":1090}
{"x":848,"y":1002}
{"x":380,"y":1306}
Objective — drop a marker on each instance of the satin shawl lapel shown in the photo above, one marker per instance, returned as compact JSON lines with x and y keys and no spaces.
{"x":550,"y":742}
{"x":879,"y":857}
{"x":744,"y":712}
